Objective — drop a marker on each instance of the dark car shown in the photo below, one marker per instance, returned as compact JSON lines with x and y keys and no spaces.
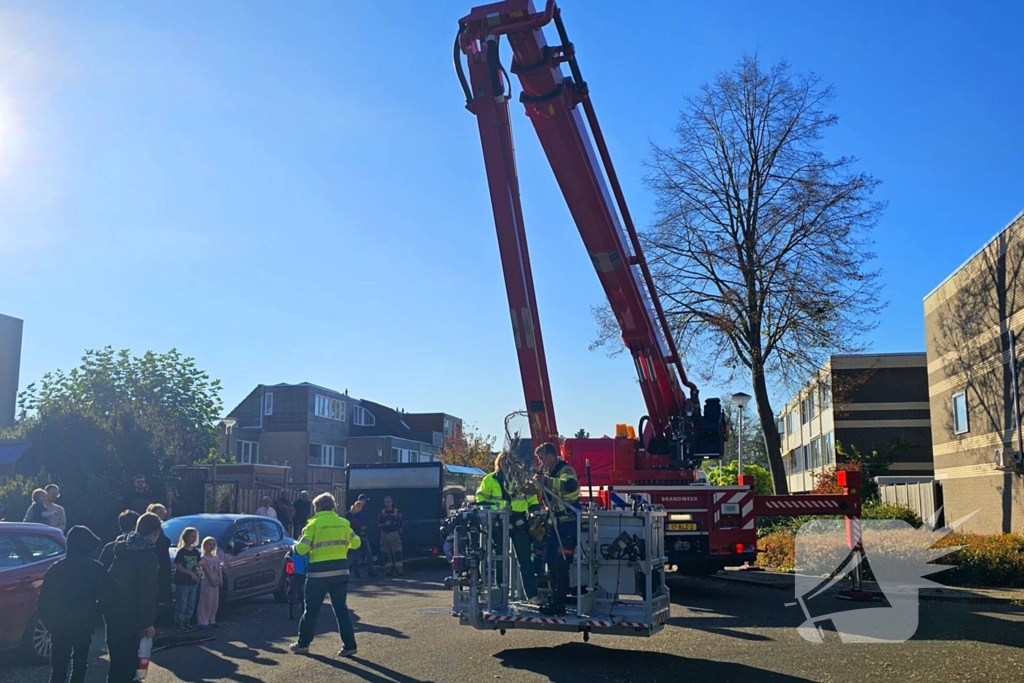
{"x":26,"y":552}
{"x":252,"y":549}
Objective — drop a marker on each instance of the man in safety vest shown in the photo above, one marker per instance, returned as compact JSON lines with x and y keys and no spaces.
{"x":326,"y":539}
{"x":498,"y":491}
{"x":559,"y":478}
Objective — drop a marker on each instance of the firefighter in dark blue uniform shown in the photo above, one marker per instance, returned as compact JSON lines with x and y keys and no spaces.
{"x":560,"y":478}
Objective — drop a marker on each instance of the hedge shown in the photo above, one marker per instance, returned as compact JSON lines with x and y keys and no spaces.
{"x":981,"y":561}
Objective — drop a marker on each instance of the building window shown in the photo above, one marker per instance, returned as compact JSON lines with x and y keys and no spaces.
{"x":268,"y":403}
{"x":331,"y":408}
{"x":812,"y":404}
{"x":815,"y":454}
{"x":322,"y":455}
{"x":406,"y":455}
{"x":363,"y":417}
{"x":789,"y":423}
{"x":829,"y":447}
{"x":803,"y":411}
{"x":823,"y":396}
{"x":447,"y":427}
{"x":247,"y":452}
{"x":960,"y":422}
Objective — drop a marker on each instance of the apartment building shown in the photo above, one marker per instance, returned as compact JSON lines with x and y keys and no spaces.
{"x":973,"y":323}
{"x":870,"y":401}
{"x":314,"y":430}
{"x":10,"y":367}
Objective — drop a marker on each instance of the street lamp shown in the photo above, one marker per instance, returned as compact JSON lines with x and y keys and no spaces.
{"x":228,"y":423}
{"x":740,"y":400}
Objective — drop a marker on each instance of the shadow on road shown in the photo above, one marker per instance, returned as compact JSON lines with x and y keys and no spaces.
{"x":366,"y":670}
{"x":564,"y":664}
{"x":732,"y":609}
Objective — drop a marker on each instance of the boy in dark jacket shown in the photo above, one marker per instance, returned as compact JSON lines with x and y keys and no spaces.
{"x":129,"y":607}
{"x":68,"y":604}
{"x":126,"y":521}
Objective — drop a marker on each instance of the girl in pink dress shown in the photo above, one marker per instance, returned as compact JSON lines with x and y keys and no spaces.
{"x":209,"y":593}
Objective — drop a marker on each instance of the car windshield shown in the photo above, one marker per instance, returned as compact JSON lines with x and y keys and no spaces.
{"x":206,"y":527}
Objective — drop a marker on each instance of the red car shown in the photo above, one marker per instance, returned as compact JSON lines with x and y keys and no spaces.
{"x":26,"y":552}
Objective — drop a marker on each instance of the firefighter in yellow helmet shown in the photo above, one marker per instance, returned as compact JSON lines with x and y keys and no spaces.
{"x":498,"y":490}
{"x":560,"y":478}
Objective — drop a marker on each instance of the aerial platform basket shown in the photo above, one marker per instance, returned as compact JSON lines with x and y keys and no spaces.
{"x":617,"y":575}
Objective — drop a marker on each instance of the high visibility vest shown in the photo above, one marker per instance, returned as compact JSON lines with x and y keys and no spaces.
{"x":493,"y":492}
{"x":327,"y":539}
{"x":563,"y":481}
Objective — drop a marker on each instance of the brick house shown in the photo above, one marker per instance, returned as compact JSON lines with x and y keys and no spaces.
{"x":868,"y":400}
{"x":968,"y":321}
{"x":317,"y":431}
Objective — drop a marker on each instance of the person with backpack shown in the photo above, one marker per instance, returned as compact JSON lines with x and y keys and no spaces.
{"x":68,"y":605}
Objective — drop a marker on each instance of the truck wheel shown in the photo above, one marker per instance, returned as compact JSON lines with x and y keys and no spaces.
{"x":35,"y":642}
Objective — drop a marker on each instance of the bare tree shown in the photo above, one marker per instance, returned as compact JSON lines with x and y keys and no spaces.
{"x":761,"y":244}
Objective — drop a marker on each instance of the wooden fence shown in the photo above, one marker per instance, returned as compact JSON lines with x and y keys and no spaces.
{"x":247,"y":501}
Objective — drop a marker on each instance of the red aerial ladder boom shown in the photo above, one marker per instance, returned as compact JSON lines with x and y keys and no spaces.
{"x":675,"y":435}
{"x":709,"y":527}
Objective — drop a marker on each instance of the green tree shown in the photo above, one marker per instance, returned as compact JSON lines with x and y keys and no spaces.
{"x":728,"y":475}
{"x":581,"y":434}
{"x":469,"y":448}
{"x":96,"y":426}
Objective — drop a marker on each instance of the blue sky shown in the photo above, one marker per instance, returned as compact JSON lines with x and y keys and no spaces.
{"x":299,"y":195}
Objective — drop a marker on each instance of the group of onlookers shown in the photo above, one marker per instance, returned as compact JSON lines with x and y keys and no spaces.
{"x":122,"y":583}
{"x":293,"y":516}
{"x":78,"y":590}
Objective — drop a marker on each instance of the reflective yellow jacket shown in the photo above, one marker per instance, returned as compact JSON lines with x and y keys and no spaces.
{"x":563,"y":481}
{"x":493,"y":492}
{"x":327,"y":539}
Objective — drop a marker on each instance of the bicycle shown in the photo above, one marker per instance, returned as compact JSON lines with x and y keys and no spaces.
{"x":295,"y":585}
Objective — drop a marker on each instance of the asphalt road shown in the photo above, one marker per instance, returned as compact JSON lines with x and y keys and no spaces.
{"x":719,"y":631}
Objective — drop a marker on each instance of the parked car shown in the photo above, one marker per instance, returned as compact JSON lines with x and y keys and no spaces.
{"x":252,"y":549}
{"x":26,"y":552}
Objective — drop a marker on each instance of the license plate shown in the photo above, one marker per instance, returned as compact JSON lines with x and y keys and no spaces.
{"x":682,"y":526}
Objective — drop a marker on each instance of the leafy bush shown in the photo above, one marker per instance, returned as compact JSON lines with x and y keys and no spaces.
{"x":983,"y":560}
{"x":778,"y":551}
{"x":728,"y":475}
{"x":875,"y":510}
{"x":780,"y":534}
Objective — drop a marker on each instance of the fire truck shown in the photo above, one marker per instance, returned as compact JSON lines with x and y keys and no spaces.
{"x":707,"y":527}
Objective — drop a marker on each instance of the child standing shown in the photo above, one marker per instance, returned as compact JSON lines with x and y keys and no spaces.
{"x":209,"y":595}
{"x":186,"y":578}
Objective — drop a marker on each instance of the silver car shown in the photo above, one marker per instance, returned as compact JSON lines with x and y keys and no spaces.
{"x":252,"y":548}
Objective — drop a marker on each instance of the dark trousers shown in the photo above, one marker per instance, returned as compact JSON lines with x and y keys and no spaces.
{"x":522,"y":543}
{"x":558,"y":562}
{"x":62,"y":645}
{"x":123,"y":650}
{"x":316,"y":591}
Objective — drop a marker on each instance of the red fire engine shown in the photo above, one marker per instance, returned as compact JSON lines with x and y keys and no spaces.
{"x":709,"y":527}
